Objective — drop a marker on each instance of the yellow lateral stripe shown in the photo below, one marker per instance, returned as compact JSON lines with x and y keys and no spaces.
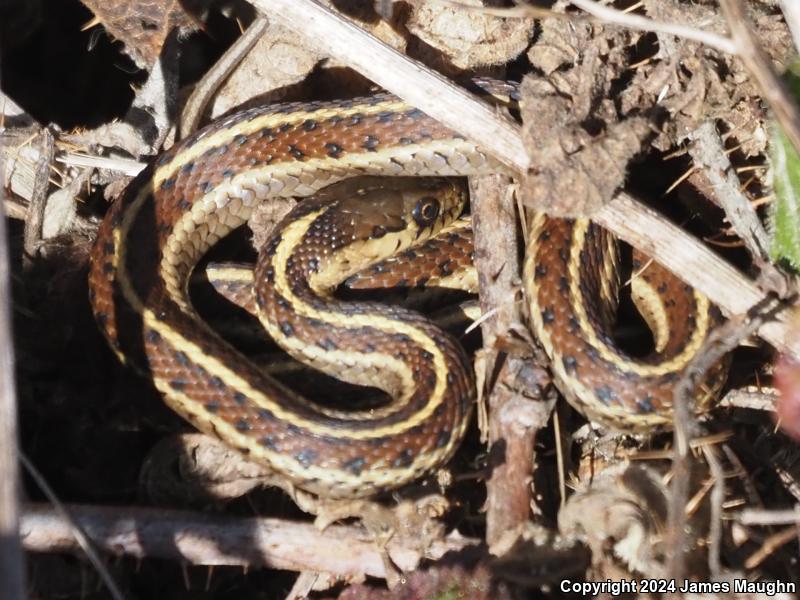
{"x":273,"y":120}
{"x":216,"y":200}
{"x":377,"y":475}
{"x":210,"y":363}
{"x":629,"y":365}
{"x":290,"y":237}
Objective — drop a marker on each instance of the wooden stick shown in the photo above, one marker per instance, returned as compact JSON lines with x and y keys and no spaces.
{"x":203,"y":539}
{"x":693,"y":262}
{"x":12,"y":572}
{"x":625,"y":216}
{"x":640,"y":23}
{"x":347,"y":42}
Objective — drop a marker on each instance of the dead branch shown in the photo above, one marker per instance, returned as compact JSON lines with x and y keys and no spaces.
{"x":753,"y":516}
{"x":203,"y":539}
{"x":12,"y":572}
{"x":513,"y":418}
{"x":640,"y":23}
{"x":714,"y":166}
{"x":791,"y":12}
{"x":625,"y":217}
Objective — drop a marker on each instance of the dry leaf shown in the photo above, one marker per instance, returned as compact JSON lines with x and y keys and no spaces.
{"x":470,"y":39}
{"x":141,"y":25}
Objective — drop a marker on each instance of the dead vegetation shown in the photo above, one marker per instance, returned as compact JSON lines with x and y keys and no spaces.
{"x":654,"y":118}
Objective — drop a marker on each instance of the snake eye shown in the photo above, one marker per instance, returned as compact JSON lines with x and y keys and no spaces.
{"x":426,"y":211}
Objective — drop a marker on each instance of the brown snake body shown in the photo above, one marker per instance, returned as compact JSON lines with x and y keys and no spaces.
{"x":208,"y":184}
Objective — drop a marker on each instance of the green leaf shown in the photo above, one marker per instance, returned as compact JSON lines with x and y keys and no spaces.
{"x":785,"y":246}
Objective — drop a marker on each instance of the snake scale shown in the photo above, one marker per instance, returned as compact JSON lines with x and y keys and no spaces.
{"x":208,"y":184}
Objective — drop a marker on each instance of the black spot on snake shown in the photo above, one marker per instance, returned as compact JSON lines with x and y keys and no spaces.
{"x":182,"y":359}
{"x":327,"y":344}
{"x":370,"y":143}
{"x":306,"y":457}
{"x":334,"y":150}
{"x":404,"y":459}
{"x":443,"y":438}
{"x":605,"y":394}
{"x":355,"y":465}
{"x":645,"y":405}
{"x":268,"y":441}
{"x":573,"y":324}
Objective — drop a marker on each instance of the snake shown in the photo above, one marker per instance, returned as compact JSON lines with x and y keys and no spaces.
{"x":205,"y":186}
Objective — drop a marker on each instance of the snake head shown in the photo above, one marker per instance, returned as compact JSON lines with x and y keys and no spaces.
{"x":371,"y":208}
{"x":374,"y":219}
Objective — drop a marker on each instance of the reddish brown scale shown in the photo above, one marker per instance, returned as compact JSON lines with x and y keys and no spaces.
{"x":333,"y":137}
{"x":448,"y":253}
{"x":415,"y":268}
{"x":676,"y":294}
{"x":210,"y":401}
{"x":611,"y":383}
{"x":332,"y":229}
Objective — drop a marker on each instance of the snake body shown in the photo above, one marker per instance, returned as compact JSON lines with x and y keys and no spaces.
{"x":208,"y":184}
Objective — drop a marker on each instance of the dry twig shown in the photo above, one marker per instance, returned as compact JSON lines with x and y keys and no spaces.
{"x":12,"y":576}
{"x":713,"y":163}
{"x":770,"y":517}
{"x":513,"y":419}
{"x":203,"y":539}
{"x":791,"y":12}
{"x":640,"y":23}
{"x":625,"y":217}
{"x":214,"y":77}
{"x":719,"y":343}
